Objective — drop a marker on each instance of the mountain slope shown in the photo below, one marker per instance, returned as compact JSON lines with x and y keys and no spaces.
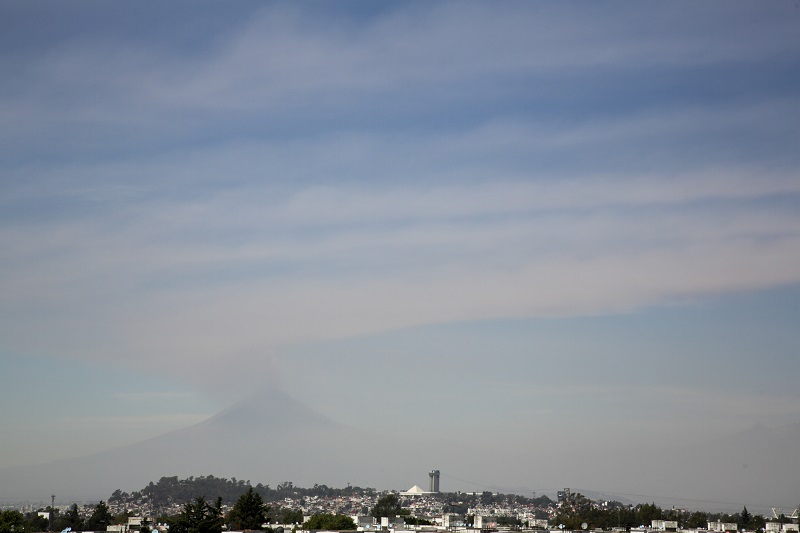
{"x":272,"y":438}
{"x":267,"y":438}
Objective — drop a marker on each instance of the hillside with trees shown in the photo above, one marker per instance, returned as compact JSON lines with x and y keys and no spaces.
{"x":204,"y":504}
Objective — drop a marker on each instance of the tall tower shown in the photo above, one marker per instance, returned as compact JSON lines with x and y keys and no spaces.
{"x":434,"y":475}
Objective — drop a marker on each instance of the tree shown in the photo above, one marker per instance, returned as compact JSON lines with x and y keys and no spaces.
{"x":101,"y":518}
{"x":574,"y":511}
{"x":388,"y":506}
{"x":198,"y":516}
{"x":698,"y":519}
{"x":36,"y":522}
{"x":417,"y":521}
{"x":745,"y":519}
{"x":509,"y":521}
{"x":335,"y":522}
{"x":647,"y":512}
{"x":12,"y":522}
{"x":249,"y":511}
{"x":73,"y":518}
{"x":290,"y":516}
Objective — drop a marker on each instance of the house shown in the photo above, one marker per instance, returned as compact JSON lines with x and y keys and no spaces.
{"x":664,"y":525}
{"x":722,"y":527}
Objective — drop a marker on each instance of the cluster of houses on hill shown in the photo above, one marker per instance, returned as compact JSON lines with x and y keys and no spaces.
{"x":481,"y":516}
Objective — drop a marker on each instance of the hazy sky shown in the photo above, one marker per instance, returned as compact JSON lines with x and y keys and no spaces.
{"x":511,"y":219}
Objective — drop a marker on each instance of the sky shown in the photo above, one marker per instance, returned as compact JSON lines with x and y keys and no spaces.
{"x":507,"y":219}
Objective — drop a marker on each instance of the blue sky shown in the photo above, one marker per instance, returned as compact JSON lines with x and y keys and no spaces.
{"x":535,"y":213}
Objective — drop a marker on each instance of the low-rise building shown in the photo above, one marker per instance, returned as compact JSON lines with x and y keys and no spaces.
{"x":664,"y":525}
{"x":777,"y":527}
{"x":722,"y":527}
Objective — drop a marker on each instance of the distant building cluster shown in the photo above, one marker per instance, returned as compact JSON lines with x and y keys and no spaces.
{"x":427,"y":511}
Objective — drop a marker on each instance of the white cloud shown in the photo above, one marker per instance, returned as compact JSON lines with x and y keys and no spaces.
{"x":375,"y":277}
{"x":248,"y":264}
{"x":312,"y":178}
{"x":286,"y":59}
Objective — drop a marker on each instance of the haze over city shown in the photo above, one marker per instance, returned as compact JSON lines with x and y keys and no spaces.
{"x":533,"y":245}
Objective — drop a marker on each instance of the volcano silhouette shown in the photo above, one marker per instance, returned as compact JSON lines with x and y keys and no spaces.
{"x":267,"y":438}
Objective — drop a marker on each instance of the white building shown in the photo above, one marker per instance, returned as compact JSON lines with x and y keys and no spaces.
{"x":664,"y":525}
{"x":777,"y":527}
{"x":722,"y":527}
{"x":416,"y":490}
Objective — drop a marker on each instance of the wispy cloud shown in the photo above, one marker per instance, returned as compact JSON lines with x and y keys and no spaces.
{"x":153,"y":424}
{"x":251,"y":263}
{"x":303,"y":178}
{"x":150,"y":396}
{"x":286,"y":60}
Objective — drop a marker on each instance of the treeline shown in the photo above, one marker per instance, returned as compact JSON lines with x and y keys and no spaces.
{"x":249,"y":513}
{"x":578,"y":510}
{"x":100,"y":518}
{"x":170,"y":490}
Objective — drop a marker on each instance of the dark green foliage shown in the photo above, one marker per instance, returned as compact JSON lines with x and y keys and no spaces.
{"x":758,"y":522}
{"x":290,"y":516}
{"x":322,"y":490}
{"x":101,"y":518}
{"x":171,"y":490}
{"x":744,"y":519}
{"x":509,"y":521}
{"x":697,"y":519}
{"x":74,"y":519}
{"x":249,"y":512}
{"x":388,"y":505}
{"x":575,"y":510}
{"x":416,"y":521}
{"x":647,"y":512}
{"x":122,"y":518}
{"x":198,"y":516}
{"x":36,"y":522}
{"x":59,"y":523}
{"x":13,"y":522}
{"x":334,"y":522}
